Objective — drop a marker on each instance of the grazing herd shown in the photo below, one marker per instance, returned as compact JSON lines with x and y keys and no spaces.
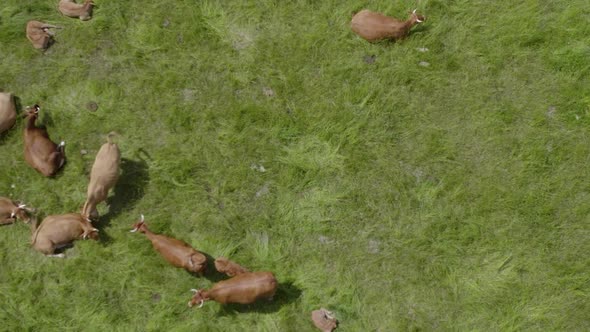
{"x":58,"y":231}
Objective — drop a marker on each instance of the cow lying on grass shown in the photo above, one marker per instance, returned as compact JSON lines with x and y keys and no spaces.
{"x":11,"y":211}
{"x":40,"y":152}
{"x":71,"y":9}
{"x":39,"y":34}
{"x":58,"y":231}
{"x":7,"y":111}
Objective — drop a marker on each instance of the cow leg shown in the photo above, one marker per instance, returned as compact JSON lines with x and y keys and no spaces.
{"x":56,"y":159}
{"x":7,"y":221}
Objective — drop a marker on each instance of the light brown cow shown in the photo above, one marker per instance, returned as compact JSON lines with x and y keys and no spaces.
{"x":57,"y":231}
{"x":324,"y":320}
{"x":71,"y":9}
{"x":374,"y":26}
{"x":10,"y":211}
{"x":39,"y":34}
{"x":244,"y":288}
{"x":7,"y":111}
{"x":103,"y":176}
{"x":40,"y":152}
{"x":228,"y":267}
{"x":176,"y":252}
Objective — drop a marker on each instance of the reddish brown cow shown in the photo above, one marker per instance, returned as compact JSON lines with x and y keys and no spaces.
{"x":104,"y":176}
{"x":39,"y":34}
{"x":7,"y":111}
{"x":176,"y":252}
{"x":57,"y":231}
{"x":374,"y":26}
{"x":228,"y":267}
{"x":71,"y":9}
{"x":40,"y":152}
{"x":244,"y":288}
{"x":10,"y":211}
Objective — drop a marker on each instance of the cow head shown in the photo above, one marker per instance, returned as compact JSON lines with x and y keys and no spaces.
{"x":139,"y":226}
{"x":197,"y":298}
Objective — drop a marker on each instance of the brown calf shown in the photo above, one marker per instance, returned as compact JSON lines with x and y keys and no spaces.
{"x":244,"y":288}
{"x":71,"y":9}
{"x":176,"y":252}
{"x":228,"y":267}
{"x":7,"y":111}
{"x":40,"y":152}
{"x":103,"y":176}
{"x":10,"y":211}
{"x":374,"y":26}
{"x":39,"y":34}
{"x":57,"y":231}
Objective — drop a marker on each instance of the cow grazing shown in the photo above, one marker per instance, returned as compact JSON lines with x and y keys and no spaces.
{"x":103,"y":176}
{"x":7,"y":111}
{"x":71,"y":9}
{"x":39,"y":34}
{"x":57,"y":231}
{"x":324,"y":320}
{"x":374,"y":26}
{"x":40,"y":152}
{"x":11,"y":211}
{"x":176,"y":252}
{"x":228,"y":267}
{"x":244,"y":288}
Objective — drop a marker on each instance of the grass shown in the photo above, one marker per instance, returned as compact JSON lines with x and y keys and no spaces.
{"x":447,"y":196}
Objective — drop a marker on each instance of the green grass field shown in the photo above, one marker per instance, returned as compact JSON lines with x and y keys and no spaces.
{"x":403,"y":189}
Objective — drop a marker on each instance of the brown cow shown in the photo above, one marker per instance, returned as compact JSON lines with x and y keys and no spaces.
{"x":228,"y":267}
{"x":324,"y":320}
{"x":71,"y":9}
{"x":39,"y":34}
{"x":176,"y":252}
{"x":57,"y":231}
{"x":374,"y":26}
{"x":103,"y":176}
{"x":10,"y":211}
{"x":40,"y":152}
{"x":7,"y":111}
{"x":244,"y":288}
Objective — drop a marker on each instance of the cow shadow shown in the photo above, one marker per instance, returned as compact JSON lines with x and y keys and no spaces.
{"x":130,"y":188}
{"x":286,"y":293}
